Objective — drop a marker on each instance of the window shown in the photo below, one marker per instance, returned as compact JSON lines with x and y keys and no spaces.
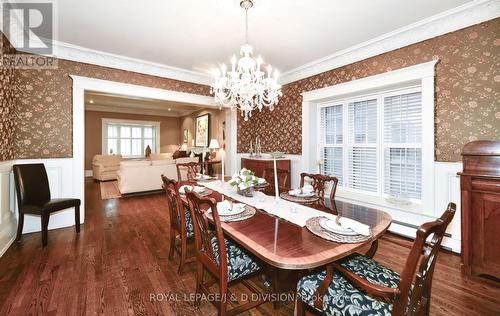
{"x":373,"y":143}
{"x":129,"y":138}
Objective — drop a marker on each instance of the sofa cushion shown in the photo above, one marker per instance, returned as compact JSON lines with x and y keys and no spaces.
{"x":135,"y":163}
{"x":107,"y":159}
{"x":162,"y":162}
{"x":161,"y":156}
{"x":186,"y":160}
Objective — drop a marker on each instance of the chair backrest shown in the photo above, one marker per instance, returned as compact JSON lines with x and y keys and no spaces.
{"x":282,"y":176}
{"x":318,"y":182}
{"x":204,"y":233}
{"x":174,"y":204}
{"x":32,"y":184}
{"x":416,"y":279}
{"x":188,"y":171}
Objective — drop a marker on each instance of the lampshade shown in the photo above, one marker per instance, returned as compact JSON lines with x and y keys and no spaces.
{"x":214,"y":144}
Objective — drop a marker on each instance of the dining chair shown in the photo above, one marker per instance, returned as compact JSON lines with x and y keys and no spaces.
{"x":220,"y":257}
{"x":33,"y":197}
{"x":319,"y":182}
{"x":283,"y":175}
{"x":358,"y":285}
{"x":186,"y":172}
{"x":181,"y":225}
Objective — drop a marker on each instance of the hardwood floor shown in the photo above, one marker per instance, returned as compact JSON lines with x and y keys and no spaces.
{"x":120,"y":259}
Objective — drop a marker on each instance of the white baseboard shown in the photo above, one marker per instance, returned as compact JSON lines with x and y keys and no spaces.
{"x":89,"y":173}
{"x":449,"y":243}
{"x":6,"y":245}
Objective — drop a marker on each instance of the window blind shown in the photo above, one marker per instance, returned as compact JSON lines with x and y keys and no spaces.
{"x":331,"y":139}
{"x":403,"y":146}
{"x":331,"y":125}
{"x":362,"y":153}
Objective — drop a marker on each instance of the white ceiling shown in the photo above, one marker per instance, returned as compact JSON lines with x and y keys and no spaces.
{"x":200,"y":34}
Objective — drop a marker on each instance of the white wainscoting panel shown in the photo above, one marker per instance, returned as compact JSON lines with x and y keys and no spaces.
{"x":8,"y":222}
{"x":63,"y":184}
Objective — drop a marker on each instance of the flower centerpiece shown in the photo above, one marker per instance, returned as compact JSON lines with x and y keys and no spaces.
{"x":244,"y":181}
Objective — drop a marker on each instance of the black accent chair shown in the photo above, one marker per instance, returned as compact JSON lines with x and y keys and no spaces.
{"x":33,"y":197}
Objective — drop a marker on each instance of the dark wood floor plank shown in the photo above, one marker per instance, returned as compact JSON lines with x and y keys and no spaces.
{"x":120,"y":259}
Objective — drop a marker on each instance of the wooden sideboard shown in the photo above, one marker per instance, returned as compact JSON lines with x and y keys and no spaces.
{"x":258,"y":165}
{"x":480,"y":190}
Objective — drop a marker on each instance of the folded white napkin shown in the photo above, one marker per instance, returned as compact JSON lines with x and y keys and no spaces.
{"x":196,"y":188}
{"x":225,"y":206}
{"x":307,"y":188}
{"x":356,"y":226}
{"x":261,"y":180}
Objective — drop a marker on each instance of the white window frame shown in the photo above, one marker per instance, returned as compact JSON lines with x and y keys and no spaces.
{"x":421,"y":75}
{"x":379,"y":145}
{"x":104,"y":132}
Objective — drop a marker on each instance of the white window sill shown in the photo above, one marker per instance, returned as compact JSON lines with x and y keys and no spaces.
{"x":376,"y":202}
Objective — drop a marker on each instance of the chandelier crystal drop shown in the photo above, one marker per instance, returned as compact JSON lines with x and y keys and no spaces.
{"x":245,"y":86}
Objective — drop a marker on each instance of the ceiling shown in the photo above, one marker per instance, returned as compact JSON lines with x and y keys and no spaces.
{"x":97,"y":101}
{"x":200,"y":34}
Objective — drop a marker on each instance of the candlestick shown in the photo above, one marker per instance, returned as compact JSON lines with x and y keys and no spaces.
{"x":222,"y":158}
{"x":276,"y":179}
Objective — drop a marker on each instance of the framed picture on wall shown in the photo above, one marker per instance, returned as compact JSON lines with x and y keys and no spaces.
{"x":202,"y":130}
{"x":185,"y":134}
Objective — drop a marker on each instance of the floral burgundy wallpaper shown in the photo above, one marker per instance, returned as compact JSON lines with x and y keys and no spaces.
{"x":44,"y":102}
{"x":7,"y":102}
{"x":467,"y":92}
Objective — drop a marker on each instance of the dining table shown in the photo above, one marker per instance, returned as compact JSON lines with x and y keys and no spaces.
{"x":281,"y":240}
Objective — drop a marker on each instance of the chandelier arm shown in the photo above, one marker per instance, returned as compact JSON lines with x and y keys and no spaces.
{"x":246,"y":26}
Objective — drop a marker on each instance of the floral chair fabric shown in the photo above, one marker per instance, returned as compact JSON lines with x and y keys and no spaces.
{"x":189,"y":224}
{"x":239,"y":264}
{"x":342,"y":298}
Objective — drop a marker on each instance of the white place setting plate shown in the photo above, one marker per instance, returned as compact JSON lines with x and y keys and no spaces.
{"x":224,"y":208}
{"x":332,"y":226}
{"x":197,"y":189}
{"x":303,"y":194}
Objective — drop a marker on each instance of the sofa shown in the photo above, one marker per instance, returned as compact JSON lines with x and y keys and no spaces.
{"x":145,"y":175}
{"x":104,"y":167}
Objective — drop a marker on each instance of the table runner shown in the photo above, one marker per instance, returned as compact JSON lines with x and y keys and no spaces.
{"x":290,"y":211}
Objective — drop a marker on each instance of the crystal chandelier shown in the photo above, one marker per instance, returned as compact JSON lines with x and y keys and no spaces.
{"x":245,"y":86}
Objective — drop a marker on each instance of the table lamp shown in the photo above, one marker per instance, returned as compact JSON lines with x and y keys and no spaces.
{"x":214,"y":144}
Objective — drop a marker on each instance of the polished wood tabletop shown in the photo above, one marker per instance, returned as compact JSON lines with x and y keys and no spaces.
{"x":285,"y":245}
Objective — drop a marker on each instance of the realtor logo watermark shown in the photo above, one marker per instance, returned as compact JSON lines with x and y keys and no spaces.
{"x":30,"y":27}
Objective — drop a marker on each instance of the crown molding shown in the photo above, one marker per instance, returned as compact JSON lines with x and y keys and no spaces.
{"x":458,"y":18}
{"x":81,"y":54}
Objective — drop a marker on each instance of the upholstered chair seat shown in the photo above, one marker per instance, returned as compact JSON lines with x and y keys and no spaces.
{"x":239,"y":264}
{"x":358,"y":285}
{"x":189,"y":223}
{"x":342,"y":298}
{"x":33,"y":197}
